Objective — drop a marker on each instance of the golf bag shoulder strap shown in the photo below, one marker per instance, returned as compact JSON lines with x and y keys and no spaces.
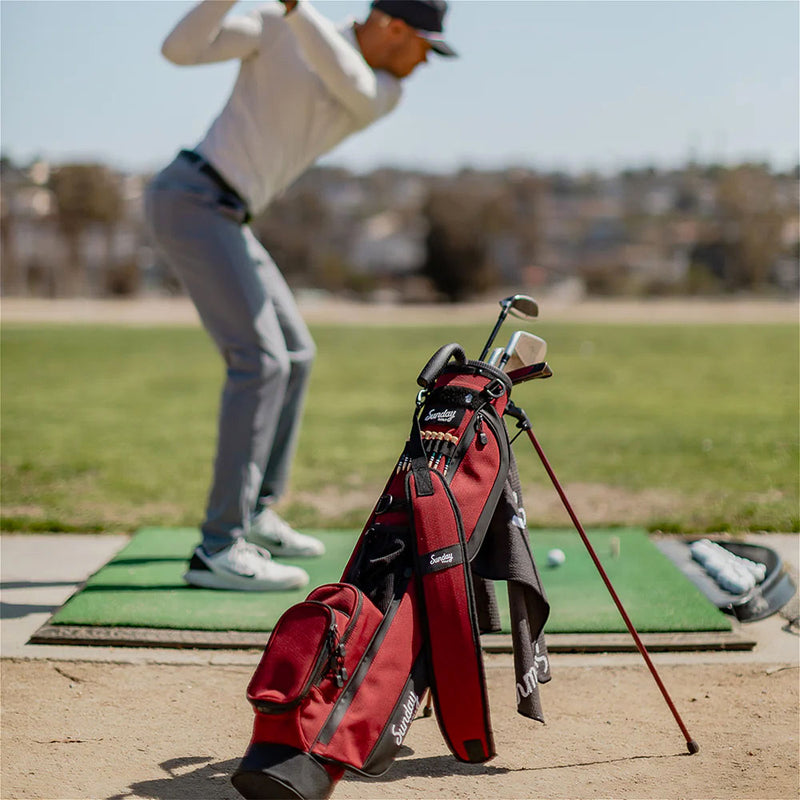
{"x":456,"y":670}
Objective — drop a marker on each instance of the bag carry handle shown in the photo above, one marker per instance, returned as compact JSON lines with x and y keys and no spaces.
{"x":439,"y":361}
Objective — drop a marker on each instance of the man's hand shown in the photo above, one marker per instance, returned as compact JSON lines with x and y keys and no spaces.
{"x":288,"y":5}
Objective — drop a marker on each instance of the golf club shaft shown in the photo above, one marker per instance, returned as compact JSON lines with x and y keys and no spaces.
{"x":510,"y":348}
{"x":526,"y":308}
{"x":690,"y":743}
{"x":500,"y":320}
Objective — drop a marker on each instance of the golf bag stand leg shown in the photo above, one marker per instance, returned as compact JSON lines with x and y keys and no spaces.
{"x":524,"y":424}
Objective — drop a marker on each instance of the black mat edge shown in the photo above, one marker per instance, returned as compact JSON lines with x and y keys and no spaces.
{"x":491,"y":643}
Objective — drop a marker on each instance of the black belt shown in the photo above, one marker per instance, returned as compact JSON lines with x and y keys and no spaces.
{"x":207,"y":169}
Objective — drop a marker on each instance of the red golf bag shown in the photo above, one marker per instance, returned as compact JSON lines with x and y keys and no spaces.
{"x":343,"y":673}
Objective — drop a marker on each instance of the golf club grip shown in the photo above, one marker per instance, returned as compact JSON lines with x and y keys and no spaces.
{"x":439,"y":361}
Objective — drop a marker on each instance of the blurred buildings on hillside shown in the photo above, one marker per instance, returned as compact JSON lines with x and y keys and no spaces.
{"x":76,"y":229}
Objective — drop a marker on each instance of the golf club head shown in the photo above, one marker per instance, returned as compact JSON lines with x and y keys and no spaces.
{"x":530,"y":372}
{"x":528,"y":349}
{"x":522,"y":306}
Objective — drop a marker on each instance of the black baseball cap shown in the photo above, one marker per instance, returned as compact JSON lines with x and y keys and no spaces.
{"x":425,"y":16}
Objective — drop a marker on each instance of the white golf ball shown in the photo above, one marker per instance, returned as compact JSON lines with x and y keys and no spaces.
{"x":555,"y":557}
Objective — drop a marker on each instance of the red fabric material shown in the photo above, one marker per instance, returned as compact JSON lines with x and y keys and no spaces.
{"x":378,"y":693}
{"x":459,"y":687}
{"x":294,"y":648}
{"x":293,"y":652}
{"x":479,"y":468}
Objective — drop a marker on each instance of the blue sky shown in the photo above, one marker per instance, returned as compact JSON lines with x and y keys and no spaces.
{"x":549,"y":84}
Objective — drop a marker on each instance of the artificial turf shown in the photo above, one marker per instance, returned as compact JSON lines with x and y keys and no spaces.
{"x":142,"y":587}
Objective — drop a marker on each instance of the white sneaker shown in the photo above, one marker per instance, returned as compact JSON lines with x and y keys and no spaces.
{"x":269,"y":531}
{"x":242,"y":567}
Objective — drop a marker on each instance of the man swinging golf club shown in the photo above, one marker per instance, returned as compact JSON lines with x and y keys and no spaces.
{"x":303,"y":86}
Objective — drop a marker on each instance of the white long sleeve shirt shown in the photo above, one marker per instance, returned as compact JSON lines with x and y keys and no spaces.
{"x":302,"y":87}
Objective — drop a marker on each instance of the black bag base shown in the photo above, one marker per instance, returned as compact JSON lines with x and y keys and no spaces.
{"x":279,"y":772}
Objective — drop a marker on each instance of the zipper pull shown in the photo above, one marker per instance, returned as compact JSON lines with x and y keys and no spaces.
{"x":482,"y":437}
{"x":340,"y":672}
{"x":333,"y":645}
{"x":338,"y":651}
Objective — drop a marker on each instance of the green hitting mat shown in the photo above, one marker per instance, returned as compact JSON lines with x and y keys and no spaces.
{"x":142,"y":587}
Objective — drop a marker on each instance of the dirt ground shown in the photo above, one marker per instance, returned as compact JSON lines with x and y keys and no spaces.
{"x":317,"y":310}
{"x":114,"y":731}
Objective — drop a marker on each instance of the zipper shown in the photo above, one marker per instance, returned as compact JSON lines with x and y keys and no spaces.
{"x":338,"y":653}
{"x":342,"y":703}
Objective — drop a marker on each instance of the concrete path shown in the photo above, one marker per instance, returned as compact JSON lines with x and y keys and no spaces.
{"x":40,"y":572}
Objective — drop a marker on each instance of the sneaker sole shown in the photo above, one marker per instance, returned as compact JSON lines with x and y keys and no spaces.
{"x":280,"y":552}
{"x":205,"y":579}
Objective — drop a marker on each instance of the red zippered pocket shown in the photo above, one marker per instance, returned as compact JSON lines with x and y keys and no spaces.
{"x":297,"y":656}
{"x":309,"y":645}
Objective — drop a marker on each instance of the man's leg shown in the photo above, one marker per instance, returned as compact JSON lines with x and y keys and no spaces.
{"x":301,"y":350}
{"x":267,"y":529}
{"x":227,"y":274}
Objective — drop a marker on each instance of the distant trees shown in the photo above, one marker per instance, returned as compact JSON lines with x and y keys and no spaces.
{"x":750,"y":223}
{"x":480,"y":232}
{"x":76,"y":228}
{"x":744,"y":239}
{"x":85,"y":194}
{"x":456,"y":243}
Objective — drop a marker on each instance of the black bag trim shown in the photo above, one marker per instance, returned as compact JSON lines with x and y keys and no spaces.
{"x":280,"y":771}
{"x":383,"y":753}
{"x":480,"y":369}
{"x":482,"y":525}
{"x":455,"y":396}
{"x":419,"y":458}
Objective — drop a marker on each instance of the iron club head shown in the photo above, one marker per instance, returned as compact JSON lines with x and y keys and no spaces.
{"x":528,"y":349}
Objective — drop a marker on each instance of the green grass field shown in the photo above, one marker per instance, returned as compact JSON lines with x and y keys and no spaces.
{"x":111,"y":428}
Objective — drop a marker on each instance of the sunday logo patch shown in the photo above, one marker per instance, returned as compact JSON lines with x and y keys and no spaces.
{"x":441,"y":559}
{"x":441,"y":415}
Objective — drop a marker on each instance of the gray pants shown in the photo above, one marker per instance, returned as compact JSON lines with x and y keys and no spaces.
{"x":247,"y":308}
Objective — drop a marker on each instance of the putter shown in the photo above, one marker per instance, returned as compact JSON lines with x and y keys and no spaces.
{"x":524,"y":424}
{"x":519,"y":305}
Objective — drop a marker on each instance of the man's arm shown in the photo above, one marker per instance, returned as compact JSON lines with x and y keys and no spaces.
{"x":204,"y":36}
{"x":367,"y":94}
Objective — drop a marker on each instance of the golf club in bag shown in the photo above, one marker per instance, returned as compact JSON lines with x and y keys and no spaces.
{"x":343,"y":673}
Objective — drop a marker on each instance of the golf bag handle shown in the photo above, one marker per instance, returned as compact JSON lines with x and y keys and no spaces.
{"x":439,"y":361}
